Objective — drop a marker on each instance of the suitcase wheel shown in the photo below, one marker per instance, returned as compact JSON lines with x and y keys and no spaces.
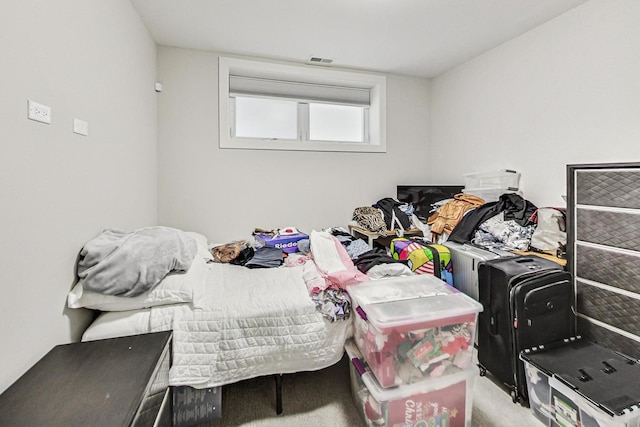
{"x":483,"y":370}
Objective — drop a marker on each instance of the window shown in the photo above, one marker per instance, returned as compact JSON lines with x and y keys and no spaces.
{"x":329,"y":122}
{"x":265,"y":118}
{"x":287,"y":107}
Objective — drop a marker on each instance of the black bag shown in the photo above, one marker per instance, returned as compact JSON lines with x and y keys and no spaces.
{"x":551,"y":229}
{"x":394,"y":217}
{"x":243,"y":256}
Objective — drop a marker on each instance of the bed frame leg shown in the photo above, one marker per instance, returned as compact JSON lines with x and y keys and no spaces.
{"x":278,"y":393}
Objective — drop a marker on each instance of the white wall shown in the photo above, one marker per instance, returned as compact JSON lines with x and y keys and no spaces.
{"x":225,"y":193}
{"x":566,"y":92}
{"x":95,"y":61}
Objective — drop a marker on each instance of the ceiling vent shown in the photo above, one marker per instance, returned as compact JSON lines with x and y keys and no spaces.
{"x":319,"y":61}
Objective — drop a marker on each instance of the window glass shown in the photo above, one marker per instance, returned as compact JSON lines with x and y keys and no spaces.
{"x":330,"y":122}
{"x":266,"y":118}
{"x":266,"y":105}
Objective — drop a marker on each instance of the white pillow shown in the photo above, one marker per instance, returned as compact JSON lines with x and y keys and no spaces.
{"x":203,"y":249}
{"x":118,"y":324}
{"x":174,"y":288}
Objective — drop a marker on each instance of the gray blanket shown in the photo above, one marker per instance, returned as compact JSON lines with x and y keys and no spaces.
{"x":129,"y":264}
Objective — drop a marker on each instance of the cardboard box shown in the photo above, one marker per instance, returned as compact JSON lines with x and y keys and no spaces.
{"x":288,"y":242}
{"x":414,"y":328}
{"x":193,"y":406}
{"x":445,"y":401}
{"x":579,"y":383}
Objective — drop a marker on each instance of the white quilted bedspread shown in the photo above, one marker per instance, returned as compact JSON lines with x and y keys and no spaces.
{"x":251,"y":322}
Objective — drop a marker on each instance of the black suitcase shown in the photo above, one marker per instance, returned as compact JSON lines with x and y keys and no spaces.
{"x":527,"y":302}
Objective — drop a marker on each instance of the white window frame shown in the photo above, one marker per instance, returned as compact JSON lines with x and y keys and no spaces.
{"x":376,"y":84}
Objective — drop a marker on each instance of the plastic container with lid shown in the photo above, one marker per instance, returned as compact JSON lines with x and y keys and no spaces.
{"x":445,"y":401}
{"x":414,"y":328}
{"x":505,"y":178}
{"x":576,"y":382}
{"x":490,"y":194}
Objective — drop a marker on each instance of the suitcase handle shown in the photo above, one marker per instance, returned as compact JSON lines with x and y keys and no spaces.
{"x":533,"y":263}
{"x":493,"y":325}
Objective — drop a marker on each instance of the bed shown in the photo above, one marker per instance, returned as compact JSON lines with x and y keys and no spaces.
{"x":232,"y":323}
{"x":247,"y":323}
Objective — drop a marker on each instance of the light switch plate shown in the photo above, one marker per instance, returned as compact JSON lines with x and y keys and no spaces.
{"x":80,"y":127}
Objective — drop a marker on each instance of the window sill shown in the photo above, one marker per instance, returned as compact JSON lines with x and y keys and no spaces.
{"x":250,"y":144}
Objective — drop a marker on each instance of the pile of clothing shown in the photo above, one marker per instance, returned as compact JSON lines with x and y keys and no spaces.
{"x":385,"y":215}
{"x":327,"y":271}
{"x":248,"y":254}
{"x":331,"y":260}
{"x":506,"y":224}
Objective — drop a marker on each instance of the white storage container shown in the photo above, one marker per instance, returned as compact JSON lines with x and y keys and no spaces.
{"x":414,"y":328}
{"x":489,"y":194}
{"x":497,"y":179}
{"x":445,"y":401}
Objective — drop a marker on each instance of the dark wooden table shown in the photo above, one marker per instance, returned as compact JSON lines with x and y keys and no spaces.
{"x":112,"y":382}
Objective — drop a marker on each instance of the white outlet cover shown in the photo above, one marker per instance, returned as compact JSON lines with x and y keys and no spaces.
{"x":38,"y":112}
{"x":80,"y":127}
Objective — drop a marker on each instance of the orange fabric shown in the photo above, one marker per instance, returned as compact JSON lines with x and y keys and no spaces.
{"x":449,"y":214}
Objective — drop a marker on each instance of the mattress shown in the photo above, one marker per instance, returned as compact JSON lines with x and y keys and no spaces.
{"x":251,"y":322}
{"x":111,"y":324}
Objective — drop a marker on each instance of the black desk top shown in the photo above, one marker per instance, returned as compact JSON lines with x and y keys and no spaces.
{"x":96,"y":383}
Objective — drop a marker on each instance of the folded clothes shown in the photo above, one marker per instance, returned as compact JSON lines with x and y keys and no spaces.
{"x":374,"y":257}
{"x":266,"y":257}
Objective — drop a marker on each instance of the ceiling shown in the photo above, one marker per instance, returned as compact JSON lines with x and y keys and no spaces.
{"x":412,"y":37}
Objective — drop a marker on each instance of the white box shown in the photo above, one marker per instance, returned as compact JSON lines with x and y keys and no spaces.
{"x":413,"y":328}
{"x":497,"y":179}
{"x":445,"y":401}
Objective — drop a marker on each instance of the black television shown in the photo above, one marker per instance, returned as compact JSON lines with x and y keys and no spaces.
{"x":423,"y":197}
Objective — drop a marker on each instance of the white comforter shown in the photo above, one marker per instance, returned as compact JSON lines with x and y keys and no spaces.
{"x":250,"y":322}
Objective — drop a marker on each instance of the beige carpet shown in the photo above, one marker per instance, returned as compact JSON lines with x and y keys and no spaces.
{"x":323,"y":398}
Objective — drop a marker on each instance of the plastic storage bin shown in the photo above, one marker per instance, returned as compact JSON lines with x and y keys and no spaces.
{"x":413,"y":328}
{"x":445,"y":401}
{"x":579,"y":383}
{"x":507,"y":179}
{"x":490,"y":194}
